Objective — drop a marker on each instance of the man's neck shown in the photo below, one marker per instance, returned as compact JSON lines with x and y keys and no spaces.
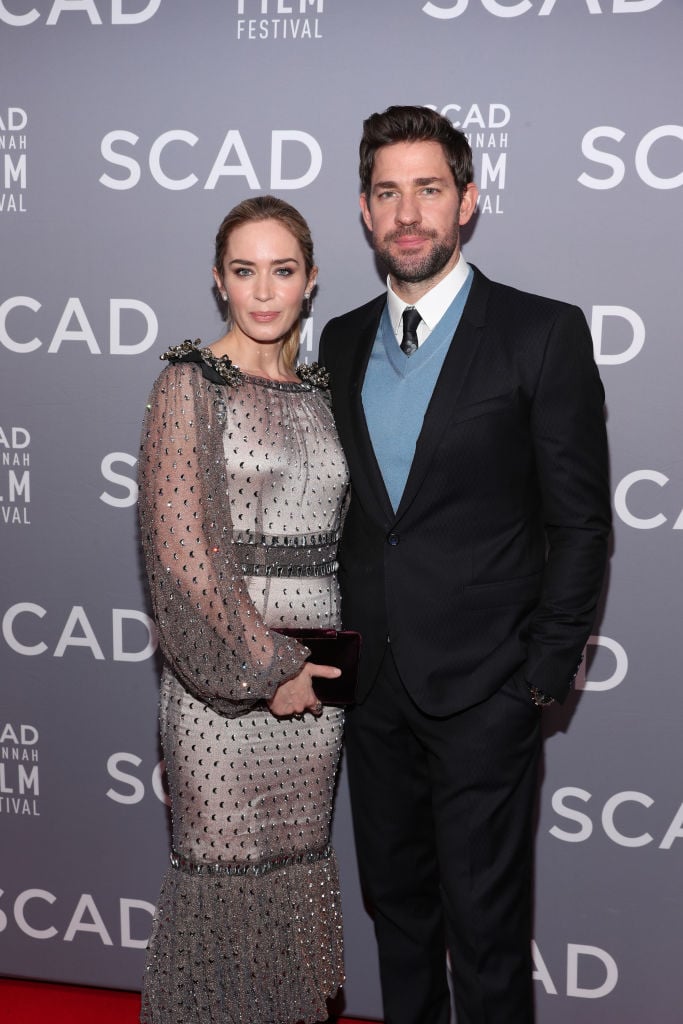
{"x":412,"y":291}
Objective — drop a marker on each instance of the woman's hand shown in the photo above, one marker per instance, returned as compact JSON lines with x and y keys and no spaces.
{"x":297,"y":695}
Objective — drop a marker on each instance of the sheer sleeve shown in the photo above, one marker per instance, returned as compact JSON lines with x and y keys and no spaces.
{"x":210,"y":632}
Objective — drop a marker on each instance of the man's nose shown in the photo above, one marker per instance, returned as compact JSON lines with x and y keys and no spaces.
{"x":408,"y":210}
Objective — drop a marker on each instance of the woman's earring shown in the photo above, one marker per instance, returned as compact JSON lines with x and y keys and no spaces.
{"x":306,"y":304}
{"x":224,"y":296}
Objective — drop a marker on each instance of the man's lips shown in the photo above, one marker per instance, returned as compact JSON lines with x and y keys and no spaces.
{"x":409,"y":240}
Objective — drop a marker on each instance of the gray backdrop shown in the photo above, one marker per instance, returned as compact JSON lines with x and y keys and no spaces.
{"x":127,"y":129}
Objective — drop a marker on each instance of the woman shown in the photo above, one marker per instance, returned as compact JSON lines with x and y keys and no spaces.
{"x":242,"y":482}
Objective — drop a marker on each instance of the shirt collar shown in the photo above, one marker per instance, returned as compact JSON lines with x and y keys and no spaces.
{"x":433,"y":303}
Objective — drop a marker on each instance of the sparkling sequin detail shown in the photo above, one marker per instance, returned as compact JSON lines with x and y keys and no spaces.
{"x":236,"y":476}
{"x":285,"y":860}
{"x":309,"y":373}
{"x":322,"y":569}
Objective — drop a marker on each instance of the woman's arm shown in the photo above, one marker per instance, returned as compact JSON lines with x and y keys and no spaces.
{"x":210,"y":632}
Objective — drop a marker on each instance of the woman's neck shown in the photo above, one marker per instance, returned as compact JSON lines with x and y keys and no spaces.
{"x":257,"y":359}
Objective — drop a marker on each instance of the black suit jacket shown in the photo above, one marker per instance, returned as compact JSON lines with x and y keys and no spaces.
{"x":493,"y":562}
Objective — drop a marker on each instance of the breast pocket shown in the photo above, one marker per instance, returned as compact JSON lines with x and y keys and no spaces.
{"x":507,"y":403}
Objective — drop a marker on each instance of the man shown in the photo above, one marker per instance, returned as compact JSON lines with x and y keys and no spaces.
{"x":471,"y":561}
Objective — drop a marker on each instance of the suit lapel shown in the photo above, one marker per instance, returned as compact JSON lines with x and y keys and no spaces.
{"x":367,"y":476}
{"x":447,"y":392}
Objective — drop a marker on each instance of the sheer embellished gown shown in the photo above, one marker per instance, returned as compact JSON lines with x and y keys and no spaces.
{"x":242,"y":485}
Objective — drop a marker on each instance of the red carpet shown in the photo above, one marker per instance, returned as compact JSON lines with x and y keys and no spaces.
{"x":41,"y":1002}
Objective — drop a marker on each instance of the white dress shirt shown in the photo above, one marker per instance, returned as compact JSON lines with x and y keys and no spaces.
{"x":431,"y":306}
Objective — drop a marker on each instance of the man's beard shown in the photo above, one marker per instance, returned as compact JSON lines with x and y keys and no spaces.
{"x":410,"y":268}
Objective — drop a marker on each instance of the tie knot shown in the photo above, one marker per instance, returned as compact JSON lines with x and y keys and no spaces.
{"x":411,"y":320}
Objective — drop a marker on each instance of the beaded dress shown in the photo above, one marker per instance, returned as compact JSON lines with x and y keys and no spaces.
{"x":242,"y":486}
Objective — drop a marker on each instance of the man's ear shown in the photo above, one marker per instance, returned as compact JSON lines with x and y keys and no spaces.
{"x":365,"y":210}
{"x":468,"y":203}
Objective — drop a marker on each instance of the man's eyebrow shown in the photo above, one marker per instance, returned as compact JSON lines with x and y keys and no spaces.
{"x":415,"y":181}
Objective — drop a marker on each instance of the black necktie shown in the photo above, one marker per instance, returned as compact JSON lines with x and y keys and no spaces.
{"x":411,"y":319}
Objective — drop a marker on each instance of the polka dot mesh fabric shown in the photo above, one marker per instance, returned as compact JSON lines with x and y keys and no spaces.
{"x":242,"y":488}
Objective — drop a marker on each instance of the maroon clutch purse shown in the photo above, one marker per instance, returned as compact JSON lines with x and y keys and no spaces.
{"x":337,"y":647}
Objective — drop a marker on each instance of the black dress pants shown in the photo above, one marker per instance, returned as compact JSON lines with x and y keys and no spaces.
{"x":443,"y":811}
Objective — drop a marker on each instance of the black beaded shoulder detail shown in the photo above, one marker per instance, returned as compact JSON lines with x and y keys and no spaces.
{"x":218,"y":369}
{"x":314,"y":373}
{"x":221,"y":369}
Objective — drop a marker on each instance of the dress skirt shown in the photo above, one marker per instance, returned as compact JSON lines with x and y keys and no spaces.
{"x":248,"y":926}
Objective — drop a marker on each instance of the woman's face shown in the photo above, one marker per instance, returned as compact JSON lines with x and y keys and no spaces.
{"x":265,"y":279}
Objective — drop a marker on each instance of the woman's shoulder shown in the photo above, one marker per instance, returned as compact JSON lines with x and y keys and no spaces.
{"x":193,"y":357}
{"x":315,"y":374}
{"x":217,"y":369}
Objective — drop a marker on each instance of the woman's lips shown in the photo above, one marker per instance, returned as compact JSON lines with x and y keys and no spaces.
{"x":264,"y":318}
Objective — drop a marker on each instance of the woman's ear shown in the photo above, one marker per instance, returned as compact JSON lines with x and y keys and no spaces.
{"x":219,"y":284}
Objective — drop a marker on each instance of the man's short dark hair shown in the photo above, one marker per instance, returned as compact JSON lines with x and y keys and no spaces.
{"x":415,"y":124}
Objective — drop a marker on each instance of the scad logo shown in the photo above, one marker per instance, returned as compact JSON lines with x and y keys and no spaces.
{"x":13,"y":152}
{"x":650,"y":156}
{"x":609,"y":655}
{"x":632,"y":507}
{"x":132,"y":634}
{"x":485,"y":127}
{"x":133,"y":326}
{"x":609,"y":321}
{"x":579,"y":957}
{"x":516,"y":8}
{"x":27,"y":911}
{"x":127,"y":787}
{"x":15,"y":476}
{"x":166,"y":159}
{"x":18,"y":13}
{"x":19,"y":773}
{"x":619,"y":822}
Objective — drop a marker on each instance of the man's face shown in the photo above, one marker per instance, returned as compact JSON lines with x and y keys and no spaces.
{"x":414,"y":212}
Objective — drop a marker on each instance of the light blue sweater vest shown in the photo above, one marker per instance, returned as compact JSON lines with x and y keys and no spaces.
{"x":397,"y":390}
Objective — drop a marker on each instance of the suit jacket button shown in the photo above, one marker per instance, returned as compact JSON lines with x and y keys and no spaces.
{"x":393,"y":539}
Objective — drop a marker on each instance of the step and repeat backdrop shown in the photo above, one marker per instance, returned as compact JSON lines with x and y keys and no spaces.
{"x":128,"y":128}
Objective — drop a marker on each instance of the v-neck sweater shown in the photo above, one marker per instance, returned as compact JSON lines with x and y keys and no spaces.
{"x":398,"y":388}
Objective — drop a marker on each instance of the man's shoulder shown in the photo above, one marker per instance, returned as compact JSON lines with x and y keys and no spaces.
{"x":512,"y":299}
{"x":361,"y":314}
